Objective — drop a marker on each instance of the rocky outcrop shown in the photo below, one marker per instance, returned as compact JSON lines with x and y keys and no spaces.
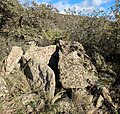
{"x":58,"y":78}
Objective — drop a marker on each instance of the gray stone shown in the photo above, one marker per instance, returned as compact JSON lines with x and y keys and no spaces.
{"x":40,"y":54}
{"x":12,"y":60}
{"x":76,"y":68}
{"x":48,"y":77}
{"x":41,"y":78}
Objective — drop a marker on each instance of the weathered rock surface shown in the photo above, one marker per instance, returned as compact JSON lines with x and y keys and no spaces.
{"x":12,"y":59}
{"x":83,"y":101}
{"x":48,"y":77}
{"x":76,"y":68}
{"x":31,"y":99}
{"x":40,"y":54}
{"x":101,"y":65}
{"x":64,"y":105}
{"x":99,"y":61}
{"x":3,"y":88}
{"x":40,"y":76}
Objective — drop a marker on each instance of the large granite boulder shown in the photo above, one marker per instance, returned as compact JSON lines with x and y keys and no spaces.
{"x":76,"y":68}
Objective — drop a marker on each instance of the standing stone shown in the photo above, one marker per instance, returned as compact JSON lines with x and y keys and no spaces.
{"x":49,"y":79}
{"x":12,"y":60}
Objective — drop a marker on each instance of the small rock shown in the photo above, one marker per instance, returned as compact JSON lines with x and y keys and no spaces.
{"x":3,"y":88}
{"x":29,"y":108}
{"x":99,"y":101}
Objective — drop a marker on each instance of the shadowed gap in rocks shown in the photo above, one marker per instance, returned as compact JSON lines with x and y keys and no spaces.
{"x":25,"y":67}
{"x":53,"y":64}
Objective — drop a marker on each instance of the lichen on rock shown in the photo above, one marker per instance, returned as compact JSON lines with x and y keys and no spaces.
{"x":76,"y":68}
